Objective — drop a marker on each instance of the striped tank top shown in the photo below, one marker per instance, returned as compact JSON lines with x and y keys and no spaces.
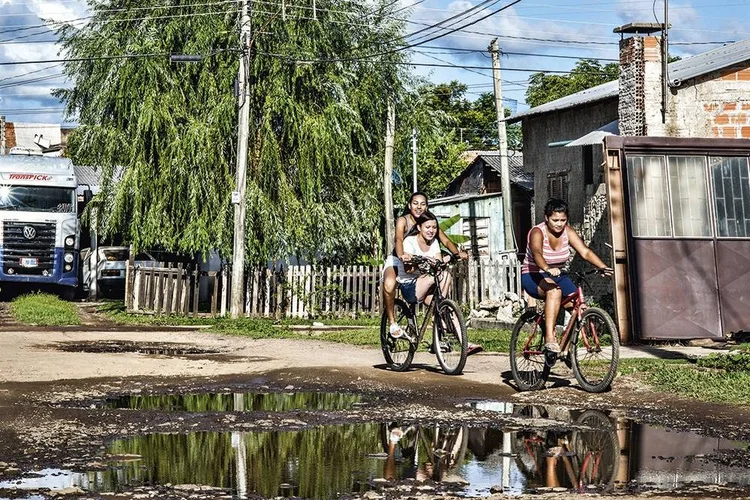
{"x":554,"y":258}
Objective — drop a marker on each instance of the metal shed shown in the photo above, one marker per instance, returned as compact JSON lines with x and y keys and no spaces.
{"x":680,"y":229}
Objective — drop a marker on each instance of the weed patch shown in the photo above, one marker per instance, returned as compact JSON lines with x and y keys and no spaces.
{"x":44,"y":309}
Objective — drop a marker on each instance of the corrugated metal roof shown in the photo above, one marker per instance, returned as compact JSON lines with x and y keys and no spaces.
{"x":608,"y":90}
{"x":515,"y":168}
{"x":679,"y":71}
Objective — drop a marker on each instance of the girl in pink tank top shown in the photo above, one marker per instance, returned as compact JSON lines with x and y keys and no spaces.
{"x":547,"y":252}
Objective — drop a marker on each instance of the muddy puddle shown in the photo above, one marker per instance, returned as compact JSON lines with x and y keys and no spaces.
{"x":543,"y":449}
{"x":117,"y":346}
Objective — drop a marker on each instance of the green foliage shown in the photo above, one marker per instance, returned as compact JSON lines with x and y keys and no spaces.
{"x":448,"y":124}
{"x":457,"y":239}
{"x":709,"y":379}
{"x":44,"y":309}
{"x":586,"y":74}
{"x":168,"y":131}
{"x":737,"y":361}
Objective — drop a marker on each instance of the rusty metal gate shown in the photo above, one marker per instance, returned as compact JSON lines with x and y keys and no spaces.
{"x":685,"y":254}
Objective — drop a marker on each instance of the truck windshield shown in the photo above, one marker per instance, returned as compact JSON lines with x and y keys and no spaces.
{"x":38,"y":199}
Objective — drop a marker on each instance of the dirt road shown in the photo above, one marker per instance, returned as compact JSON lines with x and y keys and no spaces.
{"x":52,"y":380}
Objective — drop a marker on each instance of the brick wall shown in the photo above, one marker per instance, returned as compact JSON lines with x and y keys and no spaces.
{"x":640,"y":86}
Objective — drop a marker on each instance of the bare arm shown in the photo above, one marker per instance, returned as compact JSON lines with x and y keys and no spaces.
{"x":584,"y":251}
{"x":400,"y":235}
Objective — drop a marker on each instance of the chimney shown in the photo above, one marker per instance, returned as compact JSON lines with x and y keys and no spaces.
{"x":640,"y":99}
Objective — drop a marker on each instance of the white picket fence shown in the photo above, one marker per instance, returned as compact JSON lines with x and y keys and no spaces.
{"x":299,"y":291}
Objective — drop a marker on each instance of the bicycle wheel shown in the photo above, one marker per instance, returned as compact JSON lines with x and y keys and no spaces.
{"x":596,"y":350}
{"x":398,"y":353}
{"x":526,"y":356}
{"x":449,"y":338}
{"x":597,"y":450}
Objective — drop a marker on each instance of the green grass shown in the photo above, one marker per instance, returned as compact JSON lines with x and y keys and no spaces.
{"x":367,"y":335}
{"x":44,"y":309}
{"x":710,"y":379}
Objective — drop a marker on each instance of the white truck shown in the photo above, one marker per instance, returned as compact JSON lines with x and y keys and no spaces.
{"x":39,"y":225}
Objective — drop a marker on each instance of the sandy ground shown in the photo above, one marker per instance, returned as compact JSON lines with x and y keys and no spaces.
{"x":41,"y":368}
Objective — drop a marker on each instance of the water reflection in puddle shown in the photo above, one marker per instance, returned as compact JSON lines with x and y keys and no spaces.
{"x":272,"y":402}
{"x":586,"y":450}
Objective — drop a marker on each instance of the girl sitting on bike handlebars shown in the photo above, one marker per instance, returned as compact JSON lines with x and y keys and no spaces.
{"x":415,"y":286}
{"x":547,"y":252}
{"x":406,"y":226}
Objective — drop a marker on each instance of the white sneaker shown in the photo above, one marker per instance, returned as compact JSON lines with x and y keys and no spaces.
{"x":396,"y":331}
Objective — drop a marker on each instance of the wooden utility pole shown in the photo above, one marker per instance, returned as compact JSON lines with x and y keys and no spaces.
{"x":665,"y":63}
{"x":390,"y":132}
{"x":238,"y":197}
{"x":414,"y":159}
{"x":510,"y":243}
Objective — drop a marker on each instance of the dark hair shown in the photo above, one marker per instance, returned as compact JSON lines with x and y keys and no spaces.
{"x":555,"y":205}
{"x":426,"y":216}
{"x":411,"y":198}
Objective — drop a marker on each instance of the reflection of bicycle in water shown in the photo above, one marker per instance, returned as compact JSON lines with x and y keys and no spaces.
{"x":580,"y":457}
{"x":422,"y":452}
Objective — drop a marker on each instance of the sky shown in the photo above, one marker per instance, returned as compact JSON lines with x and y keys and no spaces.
{"x":534,"y":35}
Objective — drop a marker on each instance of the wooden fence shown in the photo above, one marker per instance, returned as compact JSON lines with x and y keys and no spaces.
{"x":298,"y":291}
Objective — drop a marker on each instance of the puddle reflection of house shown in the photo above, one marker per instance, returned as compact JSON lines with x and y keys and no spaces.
{"x":475,"y":194}
{"x":670,"y":459}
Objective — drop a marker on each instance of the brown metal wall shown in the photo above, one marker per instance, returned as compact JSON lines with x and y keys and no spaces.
{"x":733,"y":263}
{"x":676,"y":289}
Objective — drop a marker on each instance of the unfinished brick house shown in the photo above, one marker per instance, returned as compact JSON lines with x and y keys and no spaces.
{"x":707,"y":99}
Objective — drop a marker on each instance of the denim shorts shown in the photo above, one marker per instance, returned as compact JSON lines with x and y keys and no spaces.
{"x":409,"y":291}
{"x":530,"y":283}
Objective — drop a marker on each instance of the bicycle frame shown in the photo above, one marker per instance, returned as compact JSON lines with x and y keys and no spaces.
{"x":579,"y":306}
{"x":431,"y":311}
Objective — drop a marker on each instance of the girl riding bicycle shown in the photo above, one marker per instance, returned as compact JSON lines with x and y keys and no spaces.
{"x":415,"y":286}
{"x":406,"y":226}
{"x":547,"y":252}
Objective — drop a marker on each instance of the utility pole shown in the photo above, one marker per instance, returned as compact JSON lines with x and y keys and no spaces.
{"x":510,"y":243}
{"x":414,"y":159}
{"x":664,"y":63}
{"x":238,"y":196}
{"x":390,"y":132}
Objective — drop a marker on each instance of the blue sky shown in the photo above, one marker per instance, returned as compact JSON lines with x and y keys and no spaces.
{"x":535,"y":35}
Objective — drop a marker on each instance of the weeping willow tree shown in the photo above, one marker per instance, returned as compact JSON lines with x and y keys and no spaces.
{"x":164,"y":134}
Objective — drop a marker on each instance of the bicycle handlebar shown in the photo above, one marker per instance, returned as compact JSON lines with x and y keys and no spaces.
{"x":430,"y":265}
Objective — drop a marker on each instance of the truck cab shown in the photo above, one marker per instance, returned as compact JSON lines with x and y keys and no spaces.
{"x":39,"y":232}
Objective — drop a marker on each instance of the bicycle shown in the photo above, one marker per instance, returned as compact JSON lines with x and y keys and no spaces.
{"x":580,"y":456}
{"x":589,"y":345}
{"x":449,"y":342}
{"x":432,"y":449}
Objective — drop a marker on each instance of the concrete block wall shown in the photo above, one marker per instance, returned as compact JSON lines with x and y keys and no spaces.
{"x":542,"y":160}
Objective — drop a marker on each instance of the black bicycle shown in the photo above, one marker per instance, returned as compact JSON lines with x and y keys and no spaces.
{"x":449,"y":339}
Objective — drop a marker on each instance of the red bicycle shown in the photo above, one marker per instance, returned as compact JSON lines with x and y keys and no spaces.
{"x":589,"y":344}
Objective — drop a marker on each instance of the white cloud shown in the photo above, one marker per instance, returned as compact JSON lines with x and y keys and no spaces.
{"x":61,"y":11}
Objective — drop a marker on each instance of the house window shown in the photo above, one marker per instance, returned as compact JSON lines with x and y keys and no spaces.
{"x":671,"y":196}
{"x":731,"y":196}
{"x":476,"y":228}
{"x":588,"y":164}
{"x":557,"y":185}
{"x":649,"y":198}
{"x":688,"y":188}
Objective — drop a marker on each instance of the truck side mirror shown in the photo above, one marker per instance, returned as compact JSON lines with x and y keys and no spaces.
{"x":87,"y":196}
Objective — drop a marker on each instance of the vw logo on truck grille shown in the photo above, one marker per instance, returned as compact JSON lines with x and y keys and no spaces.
{"x":29,"y":232}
